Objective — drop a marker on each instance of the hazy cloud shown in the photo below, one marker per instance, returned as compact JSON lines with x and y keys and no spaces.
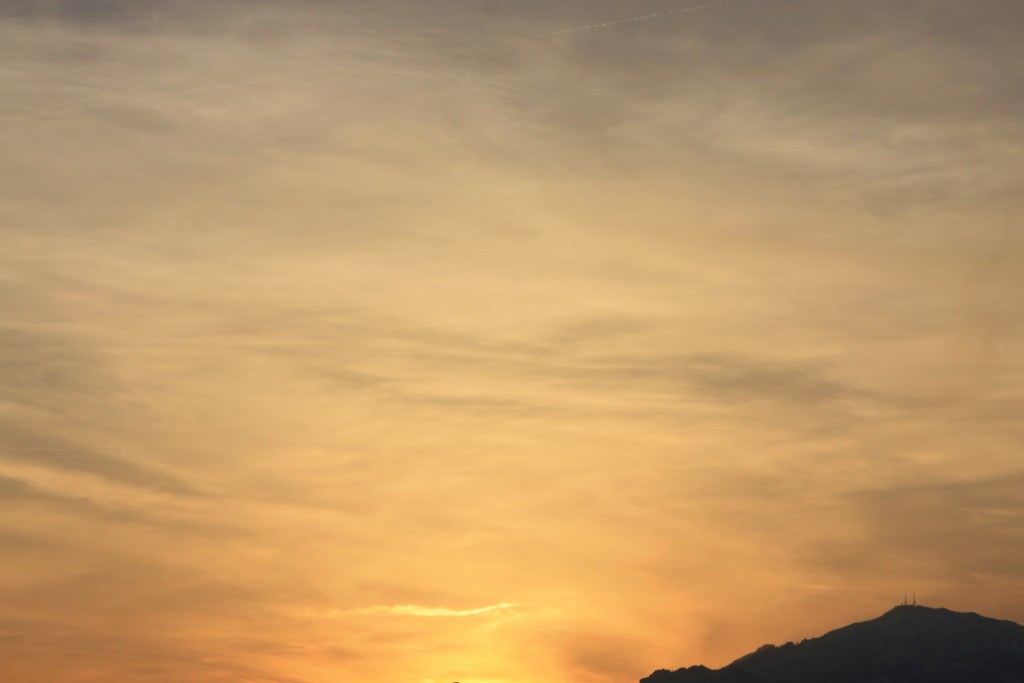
{"x":700,"y":329}
{"x":21,"y":445}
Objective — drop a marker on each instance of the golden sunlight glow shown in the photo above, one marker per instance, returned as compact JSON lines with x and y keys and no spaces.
{"x":500,"y":342}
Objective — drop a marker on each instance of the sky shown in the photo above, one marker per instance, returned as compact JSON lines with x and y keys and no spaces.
{"x":501,"y":341}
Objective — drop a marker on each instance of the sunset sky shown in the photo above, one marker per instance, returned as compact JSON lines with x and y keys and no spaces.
{"x":501,"y":341}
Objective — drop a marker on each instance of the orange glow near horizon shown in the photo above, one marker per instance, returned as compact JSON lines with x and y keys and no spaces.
{"x":501,"y":342}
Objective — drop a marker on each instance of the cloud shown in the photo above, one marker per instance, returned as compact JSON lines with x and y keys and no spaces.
{"x":725,"y":377}
{"x":962,"y":527}
{"x":421,"y":611}
{"x":43,"y":369}
{"x":631,"y":20}
{"x":23,"y":445}
{"x":646,"y":323}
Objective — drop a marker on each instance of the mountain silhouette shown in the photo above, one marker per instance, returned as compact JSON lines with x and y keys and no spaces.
{"x":908,"y":644}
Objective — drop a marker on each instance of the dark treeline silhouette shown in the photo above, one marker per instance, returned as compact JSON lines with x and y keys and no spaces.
{"x":908,"y":644}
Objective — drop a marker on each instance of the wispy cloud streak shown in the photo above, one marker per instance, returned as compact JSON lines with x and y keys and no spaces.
{"x":422,"y":611}
{"x":619,"y":22}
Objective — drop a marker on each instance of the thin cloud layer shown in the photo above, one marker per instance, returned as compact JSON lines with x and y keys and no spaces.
{"x":675,"y":335}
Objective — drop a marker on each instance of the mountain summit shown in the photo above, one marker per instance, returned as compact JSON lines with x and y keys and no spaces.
{"x":908,"y":644}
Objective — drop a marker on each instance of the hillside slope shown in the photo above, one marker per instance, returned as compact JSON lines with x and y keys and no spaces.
{"x":908,"y":644}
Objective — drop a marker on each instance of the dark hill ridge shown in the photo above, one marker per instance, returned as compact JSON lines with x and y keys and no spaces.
{"x":908,"y":644}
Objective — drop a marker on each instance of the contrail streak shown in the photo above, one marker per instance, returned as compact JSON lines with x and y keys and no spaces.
{"x":618,"y":22}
